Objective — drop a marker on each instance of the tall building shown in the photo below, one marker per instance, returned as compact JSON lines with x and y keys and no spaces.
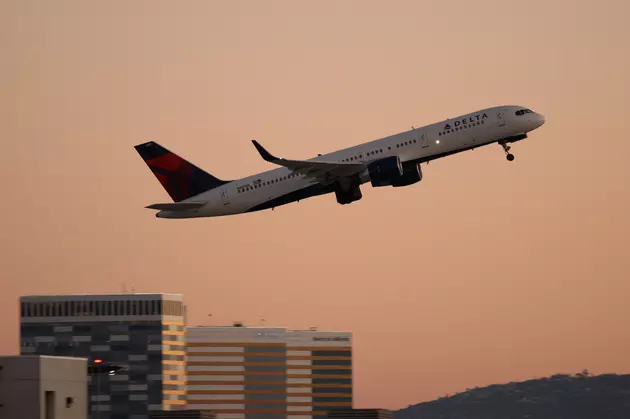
{"x":143,"y":333}
{"x":319,"y":372}
{"x":42,"y":387}
{"x":243,"y":372}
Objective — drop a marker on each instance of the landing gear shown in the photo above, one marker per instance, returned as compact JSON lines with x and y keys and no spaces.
{"x":509,"y":156}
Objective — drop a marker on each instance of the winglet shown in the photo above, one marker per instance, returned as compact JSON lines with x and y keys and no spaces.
{"x":264,"y":153}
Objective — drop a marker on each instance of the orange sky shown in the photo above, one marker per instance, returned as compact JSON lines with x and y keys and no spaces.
{"x":485,"y":272}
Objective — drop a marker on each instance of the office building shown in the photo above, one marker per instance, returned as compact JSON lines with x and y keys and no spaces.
{"x":243,"y":372}
{"x":43,"y":387}
{"x":319,"y":372}
{"x":143,"y":333}
{"x":361,"y":414}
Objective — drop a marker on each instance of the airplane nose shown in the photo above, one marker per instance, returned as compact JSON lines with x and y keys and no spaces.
{"x":538,"y":120}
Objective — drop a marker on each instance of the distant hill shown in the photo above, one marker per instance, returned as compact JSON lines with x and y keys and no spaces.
{"x":579,"y":396}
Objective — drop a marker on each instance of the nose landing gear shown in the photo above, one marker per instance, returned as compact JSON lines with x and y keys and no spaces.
{"x":509,"y":156}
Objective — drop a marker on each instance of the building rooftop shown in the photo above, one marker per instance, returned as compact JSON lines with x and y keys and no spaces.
{"x":122,"y":294}
{"x":243,"y":326}
{"x":40,"y":356}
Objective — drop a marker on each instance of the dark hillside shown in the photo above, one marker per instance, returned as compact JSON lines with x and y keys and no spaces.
{"x":561,"y":396}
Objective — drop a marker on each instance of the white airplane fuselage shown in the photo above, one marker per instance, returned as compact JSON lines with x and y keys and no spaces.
{"x":503,"y":124}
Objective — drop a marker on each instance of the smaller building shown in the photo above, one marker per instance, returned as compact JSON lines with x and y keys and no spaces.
{"x":360,"y":414}
{"x":43,"y":387}
{"x":183,"y":414}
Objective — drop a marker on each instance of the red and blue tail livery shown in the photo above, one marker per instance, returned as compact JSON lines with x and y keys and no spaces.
{"x":180,"y":178}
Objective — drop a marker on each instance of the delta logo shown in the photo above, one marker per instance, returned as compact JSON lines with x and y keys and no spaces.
{"x":466,"y":121}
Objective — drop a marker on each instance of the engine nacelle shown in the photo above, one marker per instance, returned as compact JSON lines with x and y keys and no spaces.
{"x":383,"y":172}
{"x":412,"y":173}
{"x":391,"y":172}
{"x":348,"y":196}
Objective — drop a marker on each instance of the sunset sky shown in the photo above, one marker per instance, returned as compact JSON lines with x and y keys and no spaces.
{"x":485,"y":272}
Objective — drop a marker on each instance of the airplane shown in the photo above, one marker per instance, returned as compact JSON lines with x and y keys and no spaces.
{"x":390,"y":161}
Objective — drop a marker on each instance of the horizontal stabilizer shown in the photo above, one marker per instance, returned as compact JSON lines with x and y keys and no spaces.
{"x":177,"y":206}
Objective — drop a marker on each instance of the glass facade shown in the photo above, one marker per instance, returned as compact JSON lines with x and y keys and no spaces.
{"x":151,"y":352}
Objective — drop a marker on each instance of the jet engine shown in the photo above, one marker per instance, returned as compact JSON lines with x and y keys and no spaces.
{"x":391,"y":172}
{"x":412,"y":173}
{"x":348,"y":196}
{"x":383,"y":171}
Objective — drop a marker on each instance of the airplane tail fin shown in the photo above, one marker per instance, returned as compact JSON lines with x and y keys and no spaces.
{"x":180,"y":178}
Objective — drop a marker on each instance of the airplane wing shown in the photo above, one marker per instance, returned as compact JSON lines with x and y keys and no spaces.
{"x":177,"y":206}
{"x":323,"y":171}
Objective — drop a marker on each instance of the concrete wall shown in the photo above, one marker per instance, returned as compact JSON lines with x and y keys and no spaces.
{"x":25,"y":381}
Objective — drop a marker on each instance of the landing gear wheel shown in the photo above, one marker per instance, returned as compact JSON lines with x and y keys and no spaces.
{"x":507,"y":148}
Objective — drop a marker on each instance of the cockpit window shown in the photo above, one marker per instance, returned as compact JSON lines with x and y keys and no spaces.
{"x":523,"y":112}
